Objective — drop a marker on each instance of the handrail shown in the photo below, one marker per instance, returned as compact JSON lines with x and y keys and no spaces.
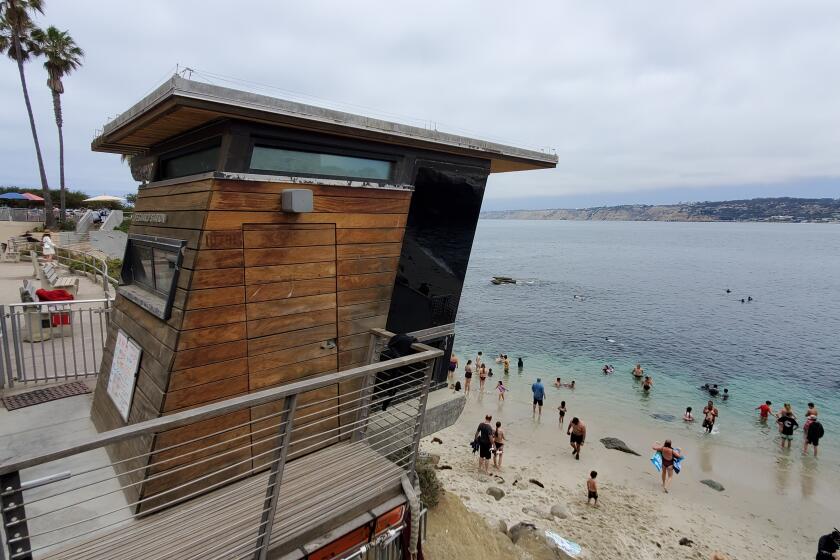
{"x":179,"y":419}
{"x":68,"y":302}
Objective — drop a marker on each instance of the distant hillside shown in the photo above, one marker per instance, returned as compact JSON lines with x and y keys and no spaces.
{"x":755,"y":210}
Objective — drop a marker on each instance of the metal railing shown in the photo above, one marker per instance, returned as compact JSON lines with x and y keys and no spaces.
{"x":21,"y":214}
{"x":52,"y":340}
{"x":228,"y":480}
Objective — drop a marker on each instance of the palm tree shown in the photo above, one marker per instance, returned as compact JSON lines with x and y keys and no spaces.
{"x":15,"y":40}
{"x":63,"y":56}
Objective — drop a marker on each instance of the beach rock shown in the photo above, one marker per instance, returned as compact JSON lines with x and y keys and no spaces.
{"x":685,"y":541}
{"x":499,"y":480}
{"x":559,"y":510}
{"x":437,"y":440}
{"x":443,"y":467}
{"x":521,"y":528}
{"x":537,"y":482}
{"x":618,"y":445}
{"x":496,"y":492}
{"x":713,"y":485}
{"x":432,"y":459}
{"x":537,"y":513}
{"x":503,"y":528}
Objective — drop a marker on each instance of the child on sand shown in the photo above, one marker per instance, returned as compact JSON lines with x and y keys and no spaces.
{"x":501,"y":389}
{"x":592,"y":488}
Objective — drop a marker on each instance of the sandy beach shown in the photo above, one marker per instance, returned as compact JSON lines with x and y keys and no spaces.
{"x":776,"y":504}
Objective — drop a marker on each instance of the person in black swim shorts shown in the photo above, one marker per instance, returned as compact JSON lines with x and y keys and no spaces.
{"x":577,"y":431}
{"x":484,"y":437}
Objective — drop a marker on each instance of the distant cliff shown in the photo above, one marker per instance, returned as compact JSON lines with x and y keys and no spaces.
{"x":755,"y":210}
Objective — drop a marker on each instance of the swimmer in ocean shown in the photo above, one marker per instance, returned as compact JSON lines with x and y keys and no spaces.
{"x":714,"y":391}
{"x":638,"y":372}
{"x":648,"y":384}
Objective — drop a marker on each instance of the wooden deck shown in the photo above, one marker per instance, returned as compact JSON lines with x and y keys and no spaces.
{"x":318,"y":492}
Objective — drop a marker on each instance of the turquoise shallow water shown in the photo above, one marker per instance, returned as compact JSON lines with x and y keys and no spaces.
{"x":658,"y":291}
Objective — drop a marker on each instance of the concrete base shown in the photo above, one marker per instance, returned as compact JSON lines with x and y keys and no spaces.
{"x":443,"y":409}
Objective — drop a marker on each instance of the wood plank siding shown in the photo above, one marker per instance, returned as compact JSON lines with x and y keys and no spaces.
{"x":263,"y":298}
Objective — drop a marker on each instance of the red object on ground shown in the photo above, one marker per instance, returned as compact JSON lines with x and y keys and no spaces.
{"x":59,"y":318}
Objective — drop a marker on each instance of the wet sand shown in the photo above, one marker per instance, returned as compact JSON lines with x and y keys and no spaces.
{"x":773,"y":503}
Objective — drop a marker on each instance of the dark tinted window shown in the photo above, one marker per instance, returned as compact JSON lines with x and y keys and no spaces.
{"x":265,"y":158}
{"x":189,"y":164}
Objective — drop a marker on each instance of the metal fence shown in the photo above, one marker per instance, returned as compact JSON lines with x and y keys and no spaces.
{"x":21,"y":214}
{"x":49,"y":341}
{"x":228,"y":480}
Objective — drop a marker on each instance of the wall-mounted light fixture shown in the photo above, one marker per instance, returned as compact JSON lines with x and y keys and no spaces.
{"x":297,"y":200}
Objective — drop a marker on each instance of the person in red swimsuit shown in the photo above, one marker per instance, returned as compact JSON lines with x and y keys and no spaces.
{"x":764,"y":410}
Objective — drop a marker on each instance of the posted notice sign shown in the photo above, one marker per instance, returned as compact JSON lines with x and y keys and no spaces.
{"x":124,"y":373}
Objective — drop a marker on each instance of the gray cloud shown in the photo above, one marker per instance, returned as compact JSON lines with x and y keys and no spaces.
{"x":633,"y":95}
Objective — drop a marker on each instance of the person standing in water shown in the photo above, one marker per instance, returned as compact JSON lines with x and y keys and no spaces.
{"x":479,"y":359}
{"x":788,"y":424}
{"x":468,"y":372}
{"x":539,"y":394}
{"x":520,"y":364}
{"x":688,"y":416}
{"x":499,"y":440}
{"x":577,"y":431}
{"x":638,"y":372}
{"x":764,"y":410}
{"x":506,"y":363}
{"x":562,"y":411}
{"x":648,"y":384}
{"x":453,"y":366}
{"x":502,"y":390}
{"x":482,"y":377}
{"x":813,"y":435}
{"x":669,"y":455}
{"x":710,"y":414}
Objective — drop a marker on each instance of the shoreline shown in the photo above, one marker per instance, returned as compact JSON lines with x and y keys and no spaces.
{"x":779,"y":504}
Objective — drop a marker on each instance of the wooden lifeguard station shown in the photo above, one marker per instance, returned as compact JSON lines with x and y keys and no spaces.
{"x":267,"y":241}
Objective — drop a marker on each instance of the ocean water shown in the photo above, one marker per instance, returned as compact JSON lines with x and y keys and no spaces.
{"x":657,"y":290}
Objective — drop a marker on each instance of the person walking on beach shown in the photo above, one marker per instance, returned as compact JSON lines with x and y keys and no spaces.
{"x":499,"y":440}
{"x":502,"y":390}
{"x":813,"y":435}
{"x":592,"y":488}
{"x":453,"y":366}
{"x":539,"y":395}
{"x":638,"y":372}
{"x":669,"y":455}
{"x":710,"y":414}
{"x":468,"y":371}
{"x":577,"y":431}
{"x":562,"y":410}
{"x":788,"y":424}
{"x":484,"y":437}
{"x":764,"y":410}
{"x":482,"y":377}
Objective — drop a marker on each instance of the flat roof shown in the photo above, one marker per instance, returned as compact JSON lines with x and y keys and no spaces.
{"x":180,"y":105}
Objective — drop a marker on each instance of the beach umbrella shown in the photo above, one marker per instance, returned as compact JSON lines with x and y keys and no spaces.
{"x":105,"y":198}
{"x":13,"y":196}
{"x":33,"y":197}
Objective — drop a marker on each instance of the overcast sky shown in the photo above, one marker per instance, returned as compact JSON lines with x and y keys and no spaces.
{"x":643,"y":101}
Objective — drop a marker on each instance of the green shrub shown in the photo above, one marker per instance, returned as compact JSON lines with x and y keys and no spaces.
{"x":114,"y":268}
{"x":430,"y":487}
{"x":126,"y":223}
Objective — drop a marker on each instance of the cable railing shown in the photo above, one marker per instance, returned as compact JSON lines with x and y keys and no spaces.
{"x":232,"y":479}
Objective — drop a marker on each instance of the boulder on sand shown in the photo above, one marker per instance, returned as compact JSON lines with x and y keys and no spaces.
{"x":559,"y":510}
{"x":537,"y":513}
{"x":496,"y":492}
{"x":618,"y":445}
{"x":516,"y":532}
